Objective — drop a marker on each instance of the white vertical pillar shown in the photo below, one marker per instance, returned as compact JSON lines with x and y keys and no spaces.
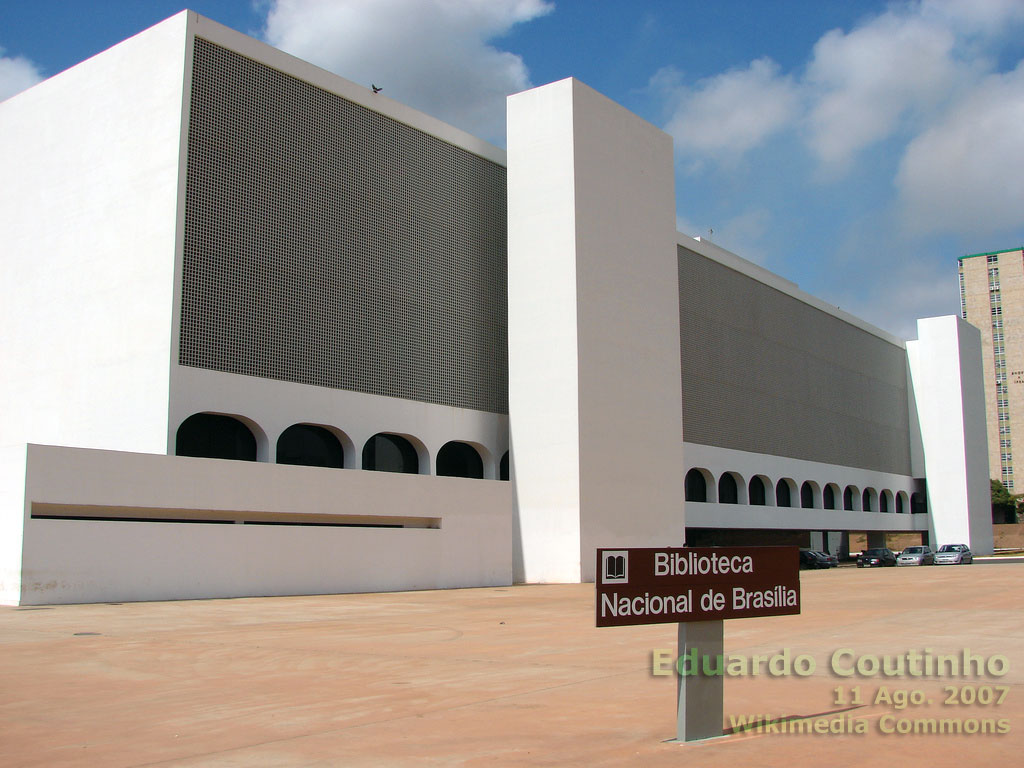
{"x":946,"y":372}
{"x":594,"y":378}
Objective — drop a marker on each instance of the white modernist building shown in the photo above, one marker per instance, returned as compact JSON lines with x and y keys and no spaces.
{"x":235,"y":283}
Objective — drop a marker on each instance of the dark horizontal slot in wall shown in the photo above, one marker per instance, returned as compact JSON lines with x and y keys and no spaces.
{"x":87,"y":512}
{"x":330,"y":525}
{"x":129,"y":519}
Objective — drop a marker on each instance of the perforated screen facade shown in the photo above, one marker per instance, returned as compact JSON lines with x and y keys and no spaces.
{"x":330,"y":245}
{"x":767,"y":373}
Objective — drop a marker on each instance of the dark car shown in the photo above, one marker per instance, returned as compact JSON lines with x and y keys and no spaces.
{"x":811,"y":559}
{"x":870,"y":558}
{"x":833,"y":560}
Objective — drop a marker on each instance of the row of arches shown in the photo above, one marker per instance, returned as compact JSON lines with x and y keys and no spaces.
{"x":731,"y":488}
{"x":219,"y":436}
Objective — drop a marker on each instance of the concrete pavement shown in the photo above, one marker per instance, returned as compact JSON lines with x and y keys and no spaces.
{"x":500,"y":676}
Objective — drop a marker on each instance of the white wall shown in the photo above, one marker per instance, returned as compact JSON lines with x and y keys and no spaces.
{"x":87,"y":217}
{"x":594,"y":379}
{"x":946,"y":371}
{"x":86,"y":561}
{"x":707,"y":515}
{"x":542,"y":335}
{"x":89,"y":160}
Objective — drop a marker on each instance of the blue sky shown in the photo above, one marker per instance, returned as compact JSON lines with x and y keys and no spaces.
{"x":856,"y":148}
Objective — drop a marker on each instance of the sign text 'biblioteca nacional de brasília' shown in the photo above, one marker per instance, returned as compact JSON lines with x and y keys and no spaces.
{"x":652,"y":586}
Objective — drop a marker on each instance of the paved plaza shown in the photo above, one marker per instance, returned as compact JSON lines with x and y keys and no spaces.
{"x":507,"y":676}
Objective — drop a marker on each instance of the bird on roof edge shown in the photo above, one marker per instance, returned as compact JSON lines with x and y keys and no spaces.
{"x":376,"y":89}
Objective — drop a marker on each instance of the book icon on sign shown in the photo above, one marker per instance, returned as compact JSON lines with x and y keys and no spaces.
{"x":616,"y":567}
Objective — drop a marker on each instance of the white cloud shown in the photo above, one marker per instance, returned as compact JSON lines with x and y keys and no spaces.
{"x":731,"y":113}
{"x":966,"y":173}
{"x":434,"y":55}
{"x":16,"y":74}
{"x":864,"y":83}
{"x":902,"y":291}
{"x":986,"y":17}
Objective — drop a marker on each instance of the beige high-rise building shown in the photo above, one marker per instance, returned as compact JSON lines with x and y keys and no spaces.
{"x":992,"y":300}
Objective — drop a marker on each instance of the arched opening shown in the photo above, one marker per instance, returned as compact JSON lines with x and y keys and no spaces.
{"x":696,"y":485}
{"x":783,"y":493}
{"x":807,"y":495}
{"x":885,"y":503}
{"x":868,"y":500}
{"x":850,"y":497}
{"x":828,"y":496}
{"x":503,"y":467}
{"x":728,"y":493}
{"x":902,"y":502}
{"x":311,"y":446}
{"x":457,"y":459}
{"x":918,"y":503}
{"x":757,"y":492}
{"x":215,"y":436}
{"x":385,"y":452}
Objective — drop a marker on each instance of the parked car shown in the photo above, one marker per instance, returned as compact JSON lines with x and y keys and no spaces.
{"x":870,"y":558}
{"x":954,"y":554}
{"x":922,"y":555}
{"x":833,"y":560}
{"x":811,"y":559}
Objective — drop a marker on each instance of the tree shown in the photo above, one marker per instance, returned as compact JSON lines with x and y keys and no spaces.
{"x":1004,"y":506}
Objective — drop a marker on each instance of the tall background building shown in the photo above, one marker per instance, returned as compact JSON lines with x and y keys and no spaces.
{"x":992,"y":300}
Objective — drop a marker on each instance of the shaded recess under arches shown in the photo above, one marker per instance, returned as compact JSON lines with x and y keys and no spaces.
{"x":385,"y":452}
{"x":728,"y":490}
{"x":696,"y":485}
{"x":783,"y":493}
{"x":850,"y":495}
{"x":828,"y":495}
{"x":756,"y":491}
{"x":457,"y":459}
{"x":311,"y":446}
{"x":215,"y":436}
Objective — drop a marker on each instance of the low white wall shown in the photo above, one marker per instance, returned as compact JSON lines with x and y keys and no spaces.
{"x":69,"y":561}
{"x":707,"y":515}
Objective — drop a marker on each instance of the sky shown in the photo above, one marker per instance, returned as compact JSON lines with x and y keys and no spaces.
{"x":855,"y":147}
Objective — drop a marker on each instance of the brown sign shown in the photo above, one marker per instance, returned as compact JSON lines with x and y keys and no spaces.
{"x":655,"y":586}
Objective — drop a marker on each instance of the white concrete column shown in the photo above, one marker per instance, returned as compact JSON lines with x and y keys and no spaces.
{"x":593,"y":309}
{"x":948,"y":387}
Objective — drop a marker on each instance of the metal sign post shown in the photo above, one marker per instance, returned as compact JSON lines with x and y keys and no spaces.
{"x":698,"y":589}
{"x":700,"y":697}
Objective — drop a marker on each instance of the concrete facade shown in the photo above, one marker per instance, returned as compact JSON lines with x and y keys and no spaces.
{"x":593,"y":339}
{"x":946,"y":366}
{"x":161,"y":268}
{"x":992,"y":300}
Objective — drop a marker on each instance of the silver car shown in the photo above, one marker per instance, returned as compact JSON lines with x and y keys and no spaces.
{"x":954,"y":554}
{"x":922,"y":555}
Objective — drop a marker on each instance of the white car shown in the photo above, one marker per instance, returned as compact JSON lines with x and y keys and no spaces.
{"x":916,"y":556}
{"x":954,"y":554}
